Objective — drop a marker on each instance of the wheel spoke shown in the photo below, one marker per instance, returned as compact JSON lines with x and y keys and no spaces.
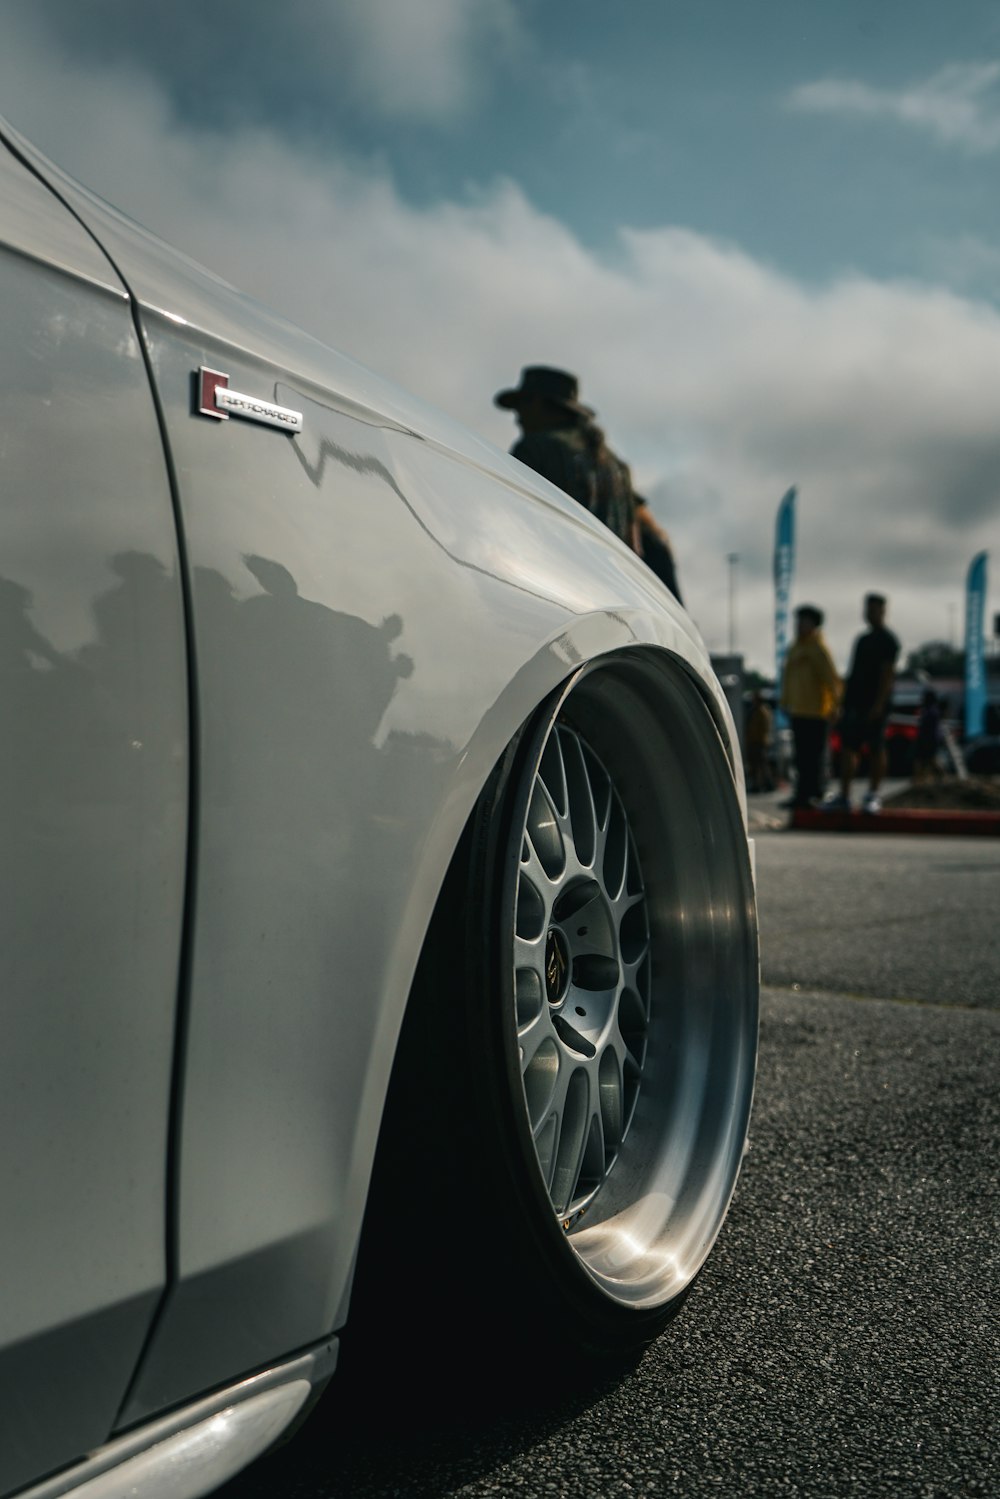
{"x":529,"y":953}
{"x":631,"y":1028}
{"x":529,"y":994}
{"x":541,"y":1079}
{"x":582,"y":810}
{"x":552,"y":775}
{"x":614,"y":852}
{"x":593,"y":1167}
{"x":531,"y":1036}
{"x":581,"y":969}
{"x":632,"y":921}
{"x":633,"y":973}
{"x":543,"y":832}
{"x":627,"y":902}
{"x":611,"y":1098}
{"x":533,"y":908}
{"x":545,"y":1148}
{"x":548,"y":1132}
{"x":573,"y":1135}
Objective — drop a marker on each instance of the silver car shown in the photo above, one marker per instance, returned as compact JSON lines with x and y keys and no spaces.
{"x":373,"y":858}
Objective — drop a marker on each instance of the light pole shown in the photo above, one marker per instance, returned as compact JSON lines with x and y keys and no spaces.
{"x":733,"y":560}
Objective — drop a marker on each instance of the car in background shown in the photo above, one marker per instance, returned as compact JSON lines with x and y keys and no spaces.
{"x":377,"y":901}
{"x":904,"y":717}
{"x":902,"y":722}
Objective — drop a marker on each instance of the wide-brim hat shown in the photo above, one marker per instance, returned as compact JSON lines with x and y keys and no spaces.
{"x":542,"y":382}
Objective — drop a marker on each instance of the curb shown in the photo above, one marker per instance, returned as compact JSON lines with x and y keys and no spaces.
{"x":899,"y":820}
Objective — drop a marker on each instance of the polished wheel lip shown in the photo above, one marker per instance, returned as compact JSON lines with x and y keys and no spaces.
{"x":582,"y":1050}
{"x":642,"y":1238}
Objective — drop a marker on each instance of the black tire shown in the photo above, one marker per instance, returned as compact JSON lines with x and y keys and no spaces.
{"x":464,"y":1230}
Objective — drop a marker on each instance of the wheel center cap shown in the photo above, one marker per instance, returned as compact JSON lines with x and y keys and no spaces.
{"x":556,"y":966}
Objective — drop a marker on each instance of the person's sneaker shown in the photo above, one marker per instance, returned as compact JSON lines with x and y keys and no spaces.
{"x":872,"y":803}
{"x":836,"y":804}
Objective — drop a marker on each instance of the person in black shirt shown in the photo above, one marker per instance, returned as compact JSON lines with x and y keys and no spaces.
{"x":866,"y":704}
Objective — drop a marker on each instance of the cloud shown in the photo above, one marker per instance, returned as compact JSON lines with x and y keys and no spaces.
{"x":965,"y":262}
{"x":721,"y":379}
{"x":303,"y":64}
{"x":429,"y":60}
{"x":958,"y":105}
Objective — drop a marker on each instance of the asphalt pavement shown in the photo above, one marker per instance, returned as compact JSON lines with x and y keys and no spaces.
{"x":843,"y":1338}
{"x":909,"y":918}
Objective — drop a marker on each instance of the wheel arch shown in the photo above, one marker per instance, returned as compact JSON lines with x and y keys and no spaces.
{"x":671,"y":680}
{"x":668,"y":684}
{"x":673,"y":673}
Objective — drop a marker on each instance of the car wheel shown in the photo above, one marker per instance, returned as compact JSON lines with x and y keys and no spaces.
{"x":572,"y":1089}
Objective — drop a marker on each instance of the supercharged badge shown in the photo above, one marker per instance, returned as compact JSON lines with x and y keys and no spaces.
{"x":216,"y":399}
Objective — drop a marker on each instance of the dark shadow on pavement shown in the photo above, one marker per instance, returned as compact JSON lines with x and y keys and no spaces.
{"x":372,"y":1439}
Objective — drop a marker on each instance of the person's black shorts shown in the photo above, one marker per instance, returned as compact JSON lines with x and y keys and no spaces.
{"x":857,"y":729}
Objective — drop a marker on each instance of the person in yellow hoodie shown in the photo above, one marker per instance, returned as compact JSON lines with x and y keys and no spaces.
{"x":810,"y":695}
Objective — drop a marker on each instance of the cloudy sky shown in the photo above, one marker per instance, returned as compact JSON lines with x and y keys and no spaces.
{"x":766,"y":235}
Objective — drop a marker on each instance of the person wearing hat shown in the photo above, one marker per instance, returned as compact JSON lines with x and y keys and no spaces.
{"x":562,"y":443}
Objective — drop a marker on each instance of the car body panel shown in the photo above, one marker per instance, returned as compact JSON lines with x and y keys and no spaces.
{"x":32,"y":225}
{"x":370,"y":628}
{"x":93,"y":784}
{"x":375,"y":606}
{"x":165,"y":281}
